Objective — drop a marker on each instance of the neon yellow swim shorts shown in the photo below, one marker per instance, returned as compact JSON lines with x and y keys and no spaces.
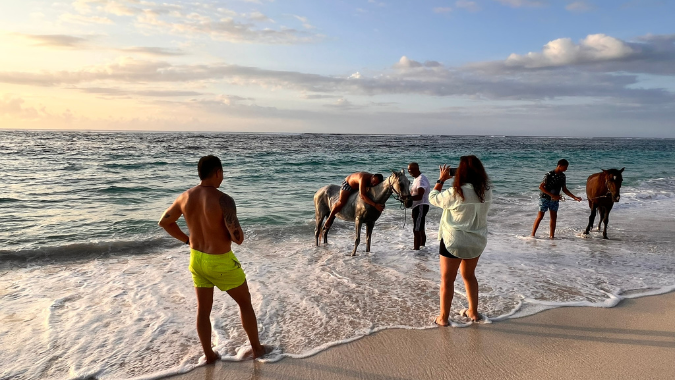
{"x":223,"y":271}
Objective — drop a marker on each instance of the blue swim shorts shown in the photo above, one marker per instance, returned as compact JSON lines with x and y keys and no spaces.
{"x":548,"y":204}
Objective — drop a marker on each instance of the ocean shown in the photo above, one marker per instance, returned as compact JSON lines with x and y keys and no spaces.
{"x":91,"y":287}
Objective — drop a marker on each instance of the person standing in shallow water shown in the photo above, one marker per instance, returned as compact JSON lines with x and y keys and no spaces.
{"x":211,"y":217}
{"x":462,"y":231}
{"x":549,"y":195}
{"x":420,"y":196}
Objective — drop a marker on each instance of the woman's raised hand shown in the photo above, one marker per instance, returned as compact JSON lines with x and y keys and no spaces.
{"x":445,"y":173}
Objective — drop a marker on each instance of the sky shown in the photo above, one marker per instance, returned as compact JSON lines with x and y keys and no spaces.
{"x":453,"y":67}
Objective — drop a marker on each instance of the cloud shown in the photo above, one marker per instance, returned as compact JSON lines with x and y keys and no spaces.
{"x":442,"y":9}
{"x":257,"y":16}
{"x":80,"y":19}
{"x":55,"y":40}
{"x":600,"y":67}
{"x":318,"y":96}
{"x":579,"y":6}
{"x":563,"y":51}
{"x":304,"y":21}
{"x":523,"y":3}
{"x":13,"y":106}
{"x":343,"y":104}
{"x":192,"y":18}
{"x":407,"y":63}
{"x":127,"y":93}
{"x":156,"y":51}
{"x":228,"y":29}
{"x":470,"y":6}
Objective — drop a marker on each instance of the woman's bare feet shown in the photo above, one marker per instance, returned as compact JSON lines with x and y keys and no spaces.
{"x":258,"y":352}
{"x":474,"y":316}
{"x":212,"y":358}
{"x":441,"y":322}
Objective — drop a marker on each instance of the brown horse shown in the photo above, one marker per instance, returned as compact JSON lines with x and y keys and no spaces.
{"x":602,"y":190}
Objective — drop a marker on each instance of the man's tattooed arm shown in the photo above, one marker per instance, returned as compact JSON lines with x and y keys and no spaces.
{"x":230,"y":216}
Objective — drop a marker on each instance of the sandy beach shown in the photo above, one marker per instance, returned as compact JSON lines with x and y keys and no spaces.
{"x":634,"y":340}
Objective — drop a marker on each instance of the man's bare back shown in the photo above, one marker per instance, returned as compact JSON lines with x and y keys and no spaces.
{"x":211,"y":217}
{"x":358,"y":180}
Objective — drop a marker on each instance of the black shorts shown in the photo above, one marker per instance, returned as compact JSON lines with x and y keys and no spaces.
{"x":346,"y":187}
{"x":419,"y":218}
{"x":444,"y":251}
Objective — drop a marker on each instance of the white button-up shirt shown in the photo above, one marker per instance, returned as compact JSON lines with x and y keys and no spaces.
{"x":463,"y":225}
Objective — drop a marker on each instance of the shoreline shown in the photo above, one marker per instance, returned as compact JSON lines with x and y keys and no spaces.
{"x":634,"y":339}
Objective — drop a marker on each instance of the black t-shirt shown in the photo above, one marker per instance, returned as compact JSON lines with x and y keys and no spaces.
{"x":553,"y":182}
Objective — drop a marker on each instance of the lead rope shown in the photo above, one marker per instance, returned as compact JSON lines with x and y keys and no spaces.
{"x":401,"y":204}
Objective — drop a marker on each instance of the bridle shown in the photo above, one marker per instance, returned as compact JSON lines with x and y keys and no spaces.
{"x":397,"y":195}
{"x":609,"y":193}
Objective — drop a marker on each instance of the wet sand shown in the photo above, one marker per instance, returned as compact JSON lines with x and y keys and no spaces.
{"x":634,"y":340}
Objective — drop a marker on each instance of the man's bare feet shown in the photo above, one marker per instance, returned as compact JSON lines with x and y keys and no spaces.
{"x":212,"y":357}
{"x":439,"y":321}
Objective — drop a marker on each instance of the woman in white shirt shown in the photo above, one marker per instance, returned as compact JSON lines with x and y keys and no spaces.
{"x":462,"y":231}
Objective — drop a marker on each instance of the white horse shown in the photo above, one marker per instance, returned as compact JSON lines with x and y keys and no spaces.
{"x":356,"y":209}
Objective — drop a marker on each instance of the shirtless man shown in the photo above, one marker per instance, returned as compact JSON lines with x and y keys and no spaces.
{"x":360,"y":182}
{"x":211,"y":217}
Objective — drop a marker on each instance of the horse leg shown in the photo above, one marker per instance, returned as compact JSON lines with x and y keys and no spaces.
{"x":591,"y":218}
{"x":602,"y":216}
{"x":369,"y":233}
{"x":606,"y":220}
{"x":604,"y":232}
{"x":317,"y":230}
{"x":358,"y":224}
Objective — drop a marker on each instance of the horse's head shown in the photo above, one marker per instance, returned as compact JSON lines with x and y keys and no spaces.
{"x":613,"y":179}
{"x":401,"y":186}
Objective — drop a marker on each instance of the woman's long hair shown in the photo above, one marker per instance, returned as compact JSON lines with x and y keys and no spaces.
{"x":471,"y":170}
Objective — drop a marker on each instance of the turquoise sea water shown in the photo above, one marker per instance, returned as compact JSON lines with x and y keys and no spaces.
{"x":81,"y":253}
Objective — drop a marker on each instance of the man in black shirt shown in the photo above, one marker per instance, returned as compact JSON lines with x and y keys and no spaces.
{"x":549,"y":195}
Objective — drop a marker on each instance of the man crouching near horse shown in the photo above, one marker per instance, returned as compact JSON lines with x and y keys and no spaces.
{"x":361,"y":182}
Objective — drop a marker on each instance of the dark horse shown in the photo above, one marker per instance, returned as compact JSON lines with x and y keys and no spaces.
{"x":602,"y":190}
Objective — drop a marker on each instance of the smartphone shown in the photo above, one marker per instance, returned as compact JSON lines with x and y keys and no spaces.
{"x":453,"y":171}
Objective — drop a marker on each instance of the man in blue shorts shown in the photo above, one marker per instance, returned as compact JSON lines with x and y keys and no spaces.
{"x":549,"y":195}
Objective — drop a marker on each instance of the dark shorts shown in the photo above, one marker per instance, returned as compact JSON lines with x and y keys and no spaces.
{"x":444,"y":252}
{"x":548,"y":204}
{"x":419,"y":215}
{"x":346,"y":187}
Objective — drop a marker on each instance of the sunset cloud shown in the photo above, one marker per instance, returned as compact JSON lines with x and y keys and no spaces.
{"x":598,"y":66}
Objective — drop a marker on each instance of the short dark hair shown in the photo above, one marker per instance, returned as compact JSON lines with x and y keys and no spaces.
{"x":208,"y":166}
{"x":414,"y":164}
{"x":379,"y":176}
{"x":563,"y":162}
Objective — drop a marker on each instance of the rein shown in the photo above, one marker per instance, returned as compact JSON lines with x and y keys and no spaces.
{"x":397,"y":196}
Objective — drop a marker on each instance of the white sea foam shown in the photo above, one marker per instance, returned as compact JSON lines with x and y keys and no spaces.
{"x":132,"y":316}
